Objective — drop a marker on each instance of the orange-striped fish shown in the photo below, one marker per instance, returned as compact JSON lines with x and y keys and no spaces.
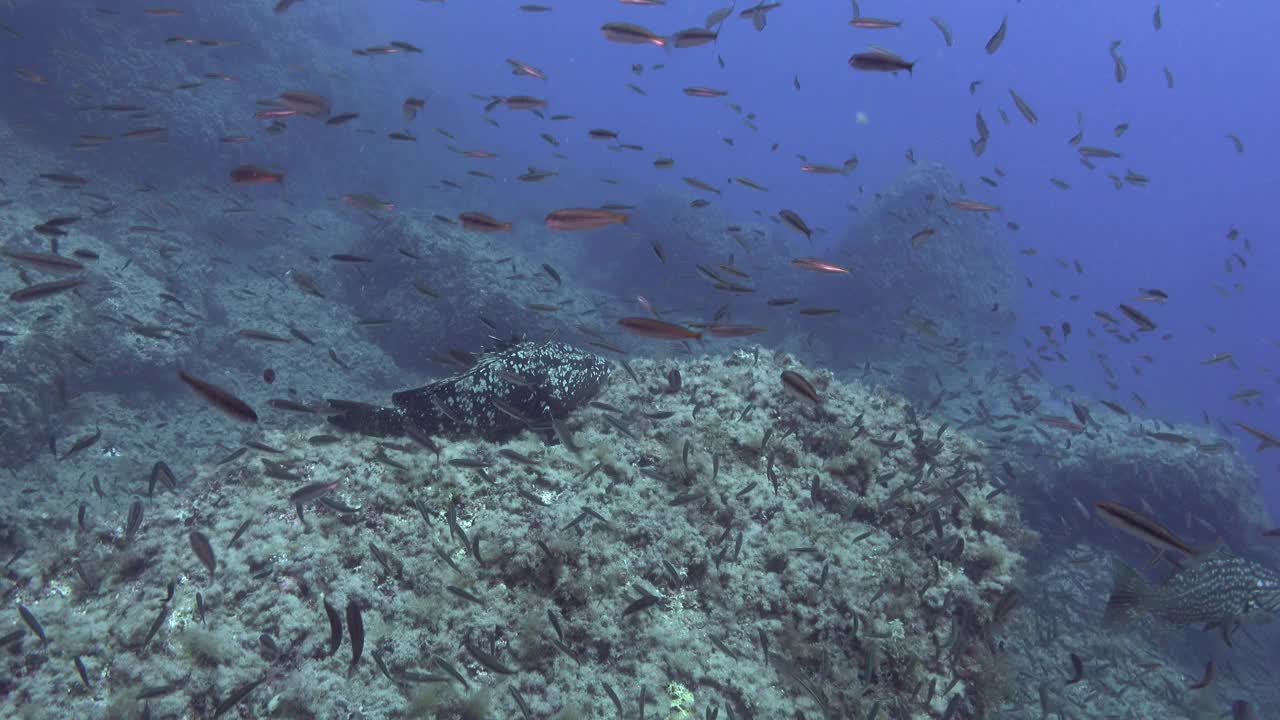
{"x":808,"y":263}
{"x":480,"y":222}
{"x":658,"y":329}
{"x":973,"y":206}
{"x":584,"y":219}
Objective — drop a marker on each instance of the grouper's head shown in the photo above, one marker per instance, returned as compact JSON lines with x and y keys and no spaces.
{"x":1267,"y":597}
{"x":571,"y":377}
{"x":1259,"y":591}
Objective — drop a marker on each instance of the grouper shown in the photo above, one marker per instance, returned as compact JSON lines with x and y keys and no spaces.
{"x":1216,"y":589}
{"x":520,"y":385}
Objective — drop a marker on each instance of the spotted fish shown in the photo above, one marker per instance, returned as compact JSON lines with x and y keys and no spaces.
{"x":507,"y":390}
{"x":1219,"y":589}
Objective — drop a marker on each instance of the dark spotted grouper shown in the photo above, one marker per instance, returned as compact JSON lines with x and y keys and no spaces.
{"x":506,"y":391}
{"x":1218,"y":588}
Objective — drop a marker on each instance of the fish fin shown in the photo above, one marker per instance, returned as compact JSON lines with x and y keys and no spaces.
{"x":425,"y":408}
{"x":1129,"y":592}
{"x":1218,"y":547}
{"x":1225,"y":627}
{"x":366,"y":419}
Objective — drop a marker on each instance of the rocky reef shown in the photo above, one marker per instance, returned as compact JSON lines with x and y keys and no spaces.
{"x":1060,"y":453}
{"x":698,"y":539}
{"x":910,"y":289}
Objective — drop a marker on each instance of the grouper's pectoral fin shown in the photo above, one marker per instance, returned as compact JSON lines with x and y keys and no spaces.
{"x":425,"y":408}
{"x":366,"y":419}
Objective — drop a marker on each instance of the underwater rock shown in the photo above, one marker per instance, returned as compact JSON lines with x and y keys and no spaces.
{"x":462,"y":294}
{"x":959,"y":283}
{"x":1191,"y":480}
{"x":816,"y":559}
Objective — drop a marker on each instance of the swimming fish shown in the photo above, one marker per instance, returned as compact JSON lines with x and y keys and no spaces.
{"x":562,"y":378}
{"x":1220,"y":588}
{"x":1142,"y":527}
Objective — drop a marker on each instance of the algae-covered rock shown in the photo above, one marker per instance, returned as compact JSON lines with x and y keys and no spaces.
{"x":959,"y":281}
{"x":759,"y":551}
{"x":1190,"y":479}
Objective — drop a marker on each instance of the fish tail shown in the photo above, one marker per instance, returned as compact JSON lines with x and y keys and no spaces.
{"x":1129,"y":594}
{"x":366,"y":419}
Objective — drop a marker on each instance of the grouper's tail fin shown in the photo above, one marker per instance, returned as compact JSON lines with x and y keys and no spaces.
{"x":366,"y":419}
{"x":1129,"y":595}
